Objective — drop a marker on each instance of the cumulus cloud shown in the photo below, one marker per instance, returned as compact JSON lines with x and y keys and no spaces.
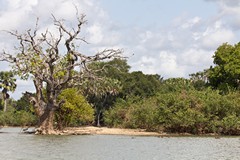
{"x":216,"y":35}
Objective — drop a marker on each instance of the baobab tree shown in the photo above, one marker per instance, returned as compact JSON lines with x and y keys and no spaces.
{"x":40,"y":57}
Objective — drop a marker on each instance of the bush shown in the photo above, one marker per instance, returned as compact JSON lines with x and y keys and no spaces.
{"x":143,"y":115}
{"x":75,"y":111}
{"x":17,"y":118}
{"x":231,"y":125}
{"x":116,"y":116}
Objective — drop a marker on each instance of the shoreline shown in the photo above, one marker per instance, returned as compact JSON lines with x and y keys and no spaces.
{"x":92,"y":130}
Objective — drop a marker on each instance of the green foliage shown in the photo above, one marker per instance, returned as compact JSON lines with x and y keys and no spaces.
{"x":231,"y":125}
{"x":115,"y":117}
{"x":191,"y":111}
{"x":133,"y":113}
{"x":7,"y":81}
{"x":176,"y":85}
{"x":75,"y":109}
{"x":102,"y":92}
{"x":225,"y":74}
{"x":181,"y":112}
{"x":143,"y":115}
{"x":199,"y":80}
{"x":139,"y":84}
{"x":17,"y":118}
{"x":179,"y":104}
{"x":24,"y":104}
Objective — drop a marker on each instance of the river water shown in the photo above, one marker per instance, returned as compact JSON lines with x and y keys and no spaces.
{"x":17,"y":146}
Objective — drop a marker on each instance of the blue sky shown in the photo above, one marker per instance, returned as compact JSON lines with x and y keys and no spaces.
{"x":155,"y":12}
{"x":172,"y":38}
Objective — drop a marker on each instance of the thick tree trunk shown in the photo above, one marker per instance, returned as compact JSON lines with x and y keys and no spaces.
{"x":46,"y":122}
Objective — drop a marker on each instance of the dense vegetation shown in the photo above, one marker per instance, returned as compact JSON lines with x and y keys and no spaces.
{"x":207,"y":102}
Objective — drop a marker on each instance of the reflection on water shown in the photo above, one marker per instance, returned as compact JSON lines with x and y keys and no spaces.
{"x":16,"y":146}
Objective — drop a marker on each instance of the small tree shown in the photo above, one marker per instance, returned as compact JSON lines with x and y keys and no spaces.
{"x":7,"y":83}
{"x":40,"y":56}
{"x":75,"y":109}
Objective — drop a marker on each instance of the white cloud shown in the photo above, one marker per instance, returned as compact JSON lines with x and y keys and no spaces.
{"x":23,"y":86}
{"x":164,"y":63}
{"x":16,"y":14}
{"x":191,"y":22}
{"x":95,"y":32}
{"x":216,"y":37}
{"x":168,"y":64}
{"x":194,"y":60}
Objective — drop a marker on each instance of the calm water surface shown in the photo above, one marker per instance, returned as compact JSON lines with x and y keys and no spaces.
{"x":16,"y":146}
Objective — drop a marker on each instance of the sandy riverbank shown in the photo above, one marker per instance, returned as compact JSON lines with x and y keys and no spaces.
{"x":90,"y":130}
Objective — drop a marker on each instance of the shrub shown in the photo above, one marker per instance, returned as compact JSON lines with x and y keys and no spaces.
{"x":75,"y":111}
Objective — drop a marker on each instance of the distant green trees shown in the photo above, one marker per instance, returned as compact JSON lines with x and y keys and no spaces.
{"x":118,"y":83}
{"x":14,"y":116}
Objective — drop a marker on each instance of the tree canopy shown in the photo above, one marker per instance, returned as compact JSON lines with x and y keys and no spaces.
{"x":226,"y":72}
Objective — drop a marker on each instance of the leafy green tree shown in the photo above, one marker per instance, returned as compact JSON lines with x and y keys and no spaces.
{"x":116,"y":69}
{"x":75,"y":109}
{"x":40,"y":56}
{"x":139,"y":84}
{"x":7,"y":83}
{"x":225,"y":75}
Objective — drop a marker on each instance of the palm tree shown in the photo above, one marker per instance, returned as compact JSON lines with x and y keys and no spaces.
{"x":7,"y":83}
